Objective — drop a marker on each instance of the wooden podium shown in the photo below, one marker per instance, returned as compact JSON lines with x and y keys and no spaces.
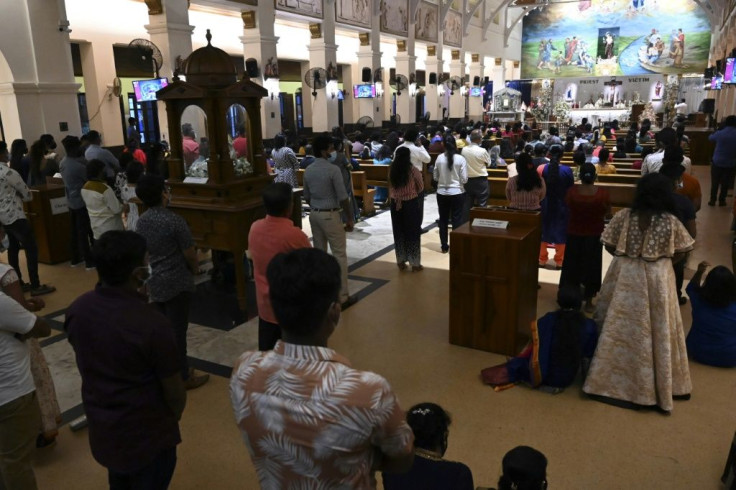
{"x":493,"y":281}
{"x":48,"y":214}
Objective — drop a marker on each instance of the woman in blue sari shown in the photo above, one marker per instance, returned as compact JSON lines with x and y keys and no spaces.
{"x":555,"y":215}
{"x":561,"y":341}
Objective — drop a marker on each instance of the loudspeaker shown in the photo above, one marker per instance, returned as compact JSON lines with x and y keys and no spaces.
{"x":486,"y":80}
{"x":251,"y":67}
{"x":476,"y":81}
{"x":433,"y":79}
{"x":708,"y":73}
{"x":366,"y":75}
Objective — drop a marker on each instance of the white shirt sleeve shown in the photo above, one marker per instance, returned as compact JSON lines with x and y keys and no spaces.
{"x":13,"y":317}
{"x":112,"y":201}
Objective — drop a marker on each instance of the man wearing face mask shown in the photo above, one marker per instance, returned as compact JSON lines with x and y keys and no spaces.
{"x":174,"y":263}
{"x":132,"y":390}
{"x":324,"y":192}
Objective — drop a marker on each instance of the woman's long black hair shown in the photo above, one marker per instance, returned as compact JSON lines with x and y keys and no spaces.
{"x":719,"y":288}
{"x":528,"y":176}
{"x":450,"y":150}
{"x":400,"y":169}
{"x":566,"y":348}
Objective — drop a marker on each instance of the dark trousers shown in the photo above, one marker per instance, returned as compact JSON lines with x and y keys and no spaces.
{"x":476,"y":194}
{"x":407,"y":228}
{"x":177,"y":311}
{"x":268,"y":334}
{"x":82,"y":237}
{"x":723,"y":177}
{"x":20,"y":234}
{"x":154,"y":476}
{"x":451,"y":210}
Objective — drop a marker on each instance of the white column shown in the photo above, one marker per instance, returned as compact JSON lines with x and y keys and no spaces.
{"x":37,"y":89}
{"x":457,"y":69}
{"x":322,"y":53}
{"x":405,"y":65}
{"x":432,"y":99}
{"x":369,"y":56}
{"x":171,"y":32}
{"x":475,"y":107}
{"x":260,"y":43}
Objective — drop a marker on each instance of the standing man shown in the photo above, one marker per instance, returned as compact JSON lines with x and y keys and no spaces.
{"x":20,"y":415}
{"x":13,"y":192}
{"x":125,"y":350}
{"x":419,"y":155}
{"x":95,"y":152}
{"x":190,"y":147}
{"x":240,"y":144}
{"x":476,"y":188}
{"x":267,"y":238}
{"x":73,"y":170}
{"x":681,"y":108}
{"x":341,"y":424}
{"x":324,"y":192}
{"x":723,"y":167}
{"x":173,"y":263}
{"x":132,"y":133}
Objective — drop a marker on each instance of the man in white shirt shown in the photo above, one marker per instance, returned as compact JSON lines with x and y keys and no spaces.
{"x":20,"y":416}
{"x":103,"y":207}
{"x":681,"y":108}
{"x":653,"y":162}
{"x":419,"y":155}
{"x":478,"y":160}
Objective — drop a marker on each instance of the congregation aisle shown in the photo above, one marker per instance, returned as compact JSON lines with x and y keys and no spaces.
{"x":399,"y":329}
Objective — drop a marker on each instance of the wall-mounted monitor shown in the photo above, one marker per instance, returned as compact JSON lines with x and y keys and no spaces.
{"x":476,"y":92}
{"x":145,"y":90}
{"x":729,"y":75}
{"x":716,"y":83}
{"x":364,"y":91}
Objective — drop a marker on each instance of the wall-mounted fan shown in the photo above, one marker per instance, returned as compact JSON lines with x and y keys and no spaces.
{"x":365,"y":122}
{"x":454,"y":83}
{"x":399,"y":83}
{"x":148,"y":51}
{"x":378,"y":75}
{"x":117,"y":88}
{"x":316,"y":78}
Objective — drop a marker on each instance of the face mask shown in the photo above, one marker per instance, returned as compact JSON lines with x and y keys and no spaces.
{"x":333,"y":156}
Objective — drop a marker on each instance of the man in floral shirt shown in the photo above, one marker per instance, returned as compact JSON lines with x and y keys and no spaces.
{"x":308,"y":418}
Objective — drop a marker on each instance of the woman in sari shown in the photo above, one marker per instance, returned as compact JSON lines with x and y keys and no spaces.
{"x":641,"y":358}
{"x":562,"y":341}
{"x":555,"y":214}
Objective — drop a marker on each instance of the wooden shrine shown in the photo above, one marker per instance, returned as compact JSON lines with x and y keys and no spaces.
{"x":218,"y":195}
{"x":493,"y":280}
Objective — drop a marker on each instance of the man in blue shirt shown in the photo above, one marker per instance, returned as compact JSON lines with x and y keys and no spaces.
{"x":723,"y":167}
{"x":95,"y":152}
{"x":73,"y":170}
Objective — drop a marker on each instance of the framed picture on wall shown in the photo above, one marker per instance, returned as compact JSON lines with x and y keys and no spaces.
{"x":312,"y":8}
{"x":427,"y":24}
{"x":453,"y":29}
{"x":395,"y":17}
{"x":354,"y":12}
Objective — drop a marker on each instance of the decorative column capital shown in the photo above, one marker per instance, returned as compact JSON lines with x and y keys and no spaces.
{"x":497,"y":61}
{"x":455,"y":54}
{"x":365,"y":38}
{"x":316,"y":30}
{"x":154,"y":7}
{"x":475,"y":57}
{"x":431,"y":50}
{"x":249,"y":19}
{"x":401,"y":45}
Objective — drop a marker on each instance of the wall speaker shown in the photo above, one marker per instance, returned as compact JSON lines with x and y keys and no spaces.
{"x":476,"y":81}
{"x":366,"y":75}
{"x":486,"y":80}
{"x":433,"y":79}
{"x":251,"y":67}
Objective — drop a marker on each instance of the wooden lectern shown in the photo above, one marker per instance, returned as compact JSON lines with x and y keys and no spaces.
{"x":493,"y":280}
{"x":48,"y":214}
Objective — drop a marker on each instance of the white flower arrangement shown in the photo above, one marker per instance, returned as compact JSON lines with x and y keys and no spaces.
{"x":561,"y":110}
{"x":242,"y":167}
{"x":198,"y":168}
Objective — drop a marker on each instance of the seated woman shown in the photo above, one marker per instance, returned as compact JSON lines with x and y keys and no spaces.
{"x":561,"y":341}
{"x":430,"y":424}
{"x":712,"y":337}
{"x":383,"y":157}
{"x":604,"y":166}
{"x":524,"y":468}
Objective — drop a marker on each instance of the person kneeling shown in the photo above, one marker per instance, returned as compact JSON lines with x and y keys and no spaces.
{"x":561,"y":341}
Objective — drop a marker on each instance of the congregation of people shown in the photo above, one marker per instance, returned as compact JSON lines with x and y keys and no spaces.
{"x":307,"y":416}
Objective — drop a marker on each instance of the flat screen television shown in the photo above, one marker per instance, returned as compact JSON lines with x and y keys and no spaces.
{"x":145,"y":90}
{"x":729,"y":76}
{"x":364,"y":91}
{"x":716,"y":83}
{"x":476,"y":92}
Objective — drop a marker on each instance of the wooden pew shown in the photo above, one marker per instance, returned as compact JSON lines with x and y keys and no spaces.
{"x":619,"y":178}
{"x":360,"y":189}
{"x":376,"y":175}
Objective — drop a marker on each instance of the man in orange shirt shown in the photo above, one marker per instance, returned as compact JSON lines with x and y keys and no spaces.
{"x":240,"y":144}
{"x":269,"y":237}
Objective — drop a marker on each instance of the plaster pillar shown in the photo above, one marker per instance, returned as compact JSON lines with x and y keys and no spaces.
{"x":260,"y":43}
{"x":37,"y":90}
{"x":457,"y":69}
{"x":433,"y":101}
{"x":405,"y":65}
{"x":475,"y":106}
{"x":323,"y":54}
{"x":171,"y":32}
{"x":369,"y":56}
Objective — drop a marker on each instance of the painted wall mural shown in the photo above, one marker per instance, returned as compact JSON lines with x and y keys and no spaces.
{"x":615,"y":37}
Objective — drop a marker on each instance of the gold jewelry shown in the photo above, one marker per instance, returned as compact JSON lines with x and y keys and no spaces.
{"x":427,"y":454}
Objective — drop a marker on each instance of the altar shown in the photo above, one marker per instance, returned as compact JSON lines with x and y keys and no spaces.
{"x":505,"y":116}
{"x":598,"y":115}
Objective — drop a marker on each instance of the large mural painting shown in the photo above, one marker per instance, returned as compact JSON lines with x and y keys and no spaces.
{"x":615,"y":37}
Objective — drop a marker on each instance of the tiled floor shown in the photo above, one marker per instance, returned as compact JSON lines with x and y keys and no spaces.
{"x":399,"y":330}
